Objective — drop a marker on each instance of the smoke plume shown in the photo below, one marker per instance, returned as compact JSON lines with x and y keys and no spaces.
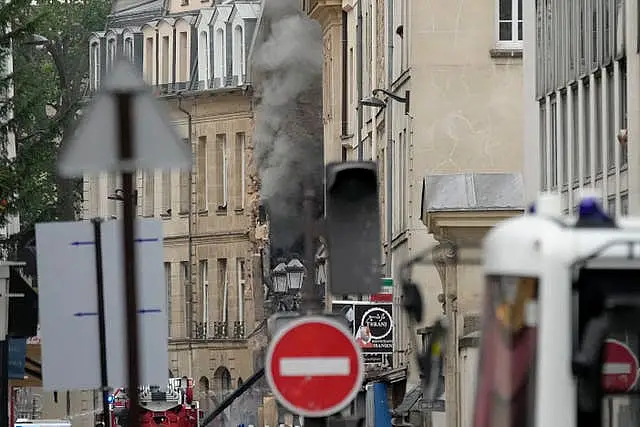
{"x":287,"y":69}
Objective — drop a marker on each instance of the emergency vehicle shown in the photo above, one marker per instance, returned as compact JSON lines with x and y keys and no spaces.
{"x":173,"y":406}
{"x":559,"y":290}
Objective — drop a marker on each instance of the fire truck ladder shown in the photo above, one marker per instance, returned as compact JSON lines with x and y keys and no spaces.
{"x":233,"y":396}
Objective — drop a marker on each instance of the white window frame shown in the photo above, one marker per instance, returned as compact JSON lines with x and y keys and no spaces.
{"x":238,"y":52}
{"x":112,"y":47}
{"x":128,"y":49}
{"x":203,"y":46}
{"x":220,"y":53}
{"x":514,"y":43}
{"x":95,"y":59}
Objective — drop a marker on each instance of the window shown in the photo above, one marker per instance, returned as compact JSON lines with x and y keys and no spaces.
{"x":564,"y":122}
{"x":167,"y":281}
{"x":203,"y":188}
{"x":220,"y":57}
{"x":221,"y":170}
{"x":166,"y":192}
{"x":597,"y":116}
{"x":111,"y":188}
{"x":184,"y":278}
{"x":95,"y":66}
{"x":239,"y":170}
{"x":543,"y":145}
{"x":111,"y":53}
{"x":223,"y":287}
{"x":510,"y":23}
{"x":183,"y":75}
{"x":128,"y":48}
{"x":586,"y":129}
{"x":624,"y":155}
{"x":204,"y":285}
{"x":204,"y":59}
{"x":238,"y":54}
{"x":242,"y":283}
{"x":624,"y":204}
{"x":164,"y":60}
{"x":185,"y":178}
{"x":553,"y":145}
{"x":149,"y":58}
{"x":611,"y":121}
{"x":575,"y":141}
{"x":149,"y":192}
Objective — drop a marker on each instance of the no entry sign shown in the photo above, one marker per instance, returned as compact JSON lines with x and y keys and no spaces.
{"x":314,"y":366}
{"x":620,"y":369}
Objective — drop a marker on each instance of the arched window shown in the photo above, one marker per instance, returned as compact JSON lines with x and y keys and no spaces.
{"x":128,"y":48}
{"x":111,"y":53}
{"x":238,"y":54}
{"x":95,"y":65}
{"x":220,"y":61}
{"x":204,"y":58}
{"x":222,"y":381}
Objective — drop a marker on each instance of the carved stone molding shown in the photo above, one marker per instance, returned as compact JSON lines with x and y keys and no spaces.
{"x":445,"y":254}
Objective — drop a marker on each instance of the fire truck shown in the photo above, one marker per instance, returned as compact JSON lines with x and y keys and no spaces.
{"x":173,"y":406}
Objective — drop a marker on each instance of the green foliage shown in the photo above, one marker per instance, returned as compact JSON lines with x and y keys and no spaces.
{"x":51,"y":67}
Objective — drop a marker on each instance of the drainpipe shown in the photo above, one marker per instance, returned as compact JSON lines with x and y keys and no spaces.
{"x":389,"y":126}
{"x":359,"y":80}
{"x":189,"y":287}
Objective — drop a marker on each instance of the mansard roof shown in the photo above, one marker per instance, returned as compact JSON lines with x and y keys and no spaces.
{"x":134,"y":12}
{"x":204,"y":17}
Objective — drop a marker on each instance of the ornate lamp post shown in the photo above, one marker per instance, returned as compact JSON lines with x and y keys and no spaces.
{"x":295,"y":275}
{"x":280,"y":279}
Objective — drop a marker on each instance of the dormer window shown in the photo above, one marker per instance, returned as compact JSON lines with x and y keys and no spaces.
{"x":95,"y":65}
{"x":220,"y":60}
{"x":128,"y":48}
{"x":204,"y":58}
{"x":111,"y":53}
{"x":238,"y":54}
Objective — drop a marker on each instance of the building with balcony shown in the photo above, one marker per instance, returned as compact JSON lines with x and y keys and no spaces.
{"x":432,"y":91}
{"x":194,"y":55}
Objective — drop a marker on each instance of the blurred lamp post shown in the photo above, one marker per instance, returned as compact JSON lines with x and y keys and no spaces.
{"x":295,"y":275}
{"x":279,"y":275}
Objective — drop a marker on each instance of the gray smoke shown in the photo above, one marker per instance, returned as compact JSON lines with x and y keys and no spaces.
{"x":287,"y":66}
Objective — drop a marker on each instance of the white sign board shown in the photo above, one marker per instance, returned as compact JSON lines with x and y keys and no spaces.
{"x":94,"y":146}
{"x":68,"y":304}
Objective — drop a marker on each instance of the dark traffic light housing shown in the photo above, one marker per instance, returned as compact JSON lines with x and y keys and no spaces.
{"x":353,"y":228}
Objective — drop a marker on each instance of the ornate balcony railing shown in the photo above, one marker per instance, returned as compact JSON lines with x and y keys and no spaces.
{"x":218,"y":330}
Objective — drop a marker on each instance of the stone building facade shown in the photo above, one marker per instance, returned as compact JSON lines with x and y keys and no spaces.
{"x":195,"y":56}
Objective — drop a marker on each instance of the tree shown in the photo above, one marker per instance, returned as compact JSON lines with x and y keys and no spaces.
{"x":51,"y":68}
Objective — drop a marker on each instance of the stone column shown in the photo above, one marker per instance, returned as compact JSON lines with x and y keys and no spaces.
{"x":445,"y":259}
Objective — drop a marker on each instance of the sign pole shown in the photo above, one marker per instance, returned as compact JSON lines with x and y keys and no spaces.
{"x":126,"y":153}
{"x":97,"y":234}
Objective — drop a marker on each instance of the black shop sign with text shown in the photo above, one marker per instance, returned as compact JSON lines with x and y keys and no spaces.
{"x":372,"y":327}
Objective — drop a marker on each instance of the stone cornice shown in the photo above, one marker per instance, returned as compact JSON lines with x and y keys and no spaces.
{"x":326,"y":12}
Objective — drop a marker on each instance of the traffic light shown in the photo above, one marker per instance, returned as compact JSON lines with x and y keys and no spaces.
{"x":353,"y":228}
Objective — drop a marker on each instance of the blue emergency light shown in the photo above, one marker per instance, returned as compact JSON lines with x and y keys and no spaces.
{"x":110,"y":399}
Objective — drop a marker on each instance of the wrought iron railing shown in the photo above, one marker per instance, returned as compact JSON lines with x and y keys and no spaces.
{"x":218,"y":330}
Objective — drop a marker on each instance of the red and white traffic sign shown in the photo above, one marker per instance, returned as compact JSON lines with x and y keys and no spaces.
{"x":620,"y":368}
{"x":314,"y":366}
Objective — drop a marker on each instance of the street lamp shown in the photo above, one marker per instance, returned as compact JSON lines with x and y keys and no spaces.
{"x":279,"y":275}
{"x":373,"y":101}
{"x":295,"y":274}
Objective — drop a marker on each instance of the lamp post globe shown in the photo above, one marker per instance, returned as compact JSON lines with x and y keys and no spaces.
{"x":295,"y":273}
{"x":280,"y":278}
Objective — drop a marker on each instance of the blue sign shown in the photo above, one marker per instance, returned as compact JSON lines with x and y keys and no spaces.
{"x":17,"y":357}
